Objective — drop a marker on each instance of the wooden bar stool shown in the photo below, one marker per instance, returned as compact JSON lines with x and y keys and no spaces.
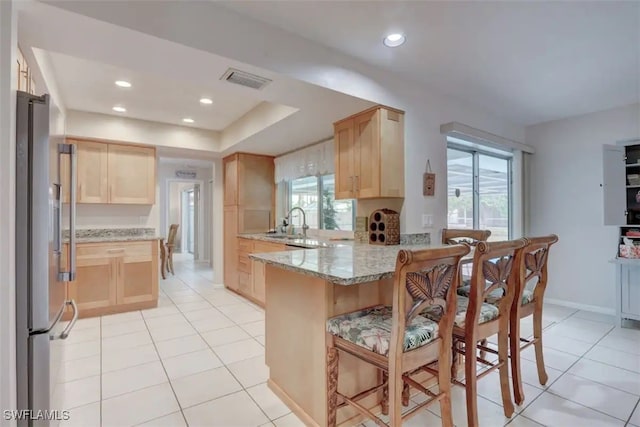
{"x":399,"y":340}
{"x":536,"y":255}
{"x":496,"y":266}
{"x":452,"y":236}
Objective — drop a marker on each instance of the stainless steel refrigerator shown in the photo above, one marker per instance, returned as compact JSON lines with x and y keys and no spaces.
{"x":41,"y":297}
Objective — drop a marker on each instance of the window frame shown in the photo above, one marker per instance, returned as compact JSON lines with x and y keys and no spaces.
{"x":475,"y":164}
{"x":320,"y":186}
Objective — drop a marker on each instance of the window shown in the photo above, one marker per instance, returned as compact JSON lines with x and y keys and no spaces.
{"x":316,"y":196}
{"x":479,"y":190}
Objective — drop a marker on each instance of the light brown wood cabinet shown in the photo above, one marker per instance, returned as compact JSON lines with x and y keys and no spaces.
{"x":369,"y":154}
{"x":115,"y":277}
{"x":132,"y":175}
{"x":249,"y":199}
{"x":113,"y":173}
{"x":251,"y":274}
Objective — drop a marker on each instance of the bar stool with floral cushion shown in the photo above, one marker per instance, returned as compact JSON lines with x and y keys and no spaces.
{"x":496,"y":267}
{"x":399,"y":340}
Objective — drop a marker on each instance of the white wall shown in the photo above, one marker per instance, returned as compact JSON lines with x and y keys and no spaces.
{"x":102,"y":126}
{"x":8,"y":78}
{"x":566,"y":199}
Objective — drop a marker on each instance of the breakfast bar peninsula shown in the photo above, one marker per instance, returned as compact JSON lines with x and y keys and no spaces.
{"x":305,"y":288}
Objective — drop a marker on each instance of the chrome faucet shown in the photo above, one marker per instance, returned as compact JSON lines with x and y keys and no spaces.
{"x":305,"y":227}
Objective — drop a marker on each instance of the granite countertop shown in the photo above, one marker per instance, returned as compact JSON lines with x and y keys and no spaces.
{"x":99,"y":235}
{"x":298,"y":241}
{"x":342,"y":265}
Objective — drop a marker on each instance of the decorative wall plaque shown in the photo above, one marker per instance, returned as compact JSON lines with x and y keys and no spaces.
{"x":428,"y":181}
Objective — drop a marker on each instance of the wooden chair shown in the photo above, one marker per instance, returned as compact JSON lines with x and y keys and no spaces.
{"x":536,"y":255}
{"x":170,"y":245}
{"x":452,"y":236}
{"x":496,"y":266}
{"x":399,"y":340}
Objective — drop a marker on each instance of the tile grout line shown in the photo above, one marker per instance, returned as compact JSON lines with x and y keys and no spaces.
{"x":635,"y":408}
{"x":166,"y":373}
{"x":101,"y":421}
{"x":566,"y":371}
{"x":224,"y":364}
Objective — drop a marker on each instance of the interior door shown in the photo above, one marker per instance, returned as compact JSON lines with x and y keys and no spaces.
{"x":613,"y":185}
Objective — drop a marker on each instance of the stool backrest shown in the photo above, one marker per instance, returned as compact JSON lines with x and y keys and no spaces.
{"x":452,"y":236}
{"x":536,"y":256}
{"x":497,"y":266}
{"x":425,"y":278}
{"x":173,"y":230}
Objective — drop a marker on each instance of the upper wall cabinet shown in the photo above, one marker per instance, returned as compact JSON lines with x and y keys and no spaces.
{"x":369,"y":154}
{"x":113,"y":173}
{"x":132,"y":175}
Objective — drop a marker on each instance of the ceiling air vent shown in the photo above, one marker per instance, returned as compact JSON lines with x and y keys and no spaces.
{"x":243,"y":78}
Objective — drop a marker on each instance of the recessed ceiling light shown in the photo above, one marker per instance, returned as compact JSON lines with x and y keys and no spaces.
{"x":187,"y":120}
{"x":206,"y":101}
{"x":123,"y":83}
{"x":394,"y":40}
{"x":119,"y":109}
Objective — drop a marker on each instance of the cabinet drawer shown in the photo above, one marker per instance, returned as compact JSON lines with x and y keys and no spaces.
{"x":245,"y":245}
{"x":106,"y":250}
{"x":244,"y":264}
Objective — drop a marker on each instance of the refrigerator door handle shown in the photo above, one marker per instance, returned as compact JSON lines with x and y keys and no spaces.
{"x":53,"y":324}
{"x":65,"y":333}
{"x":69,"y":149}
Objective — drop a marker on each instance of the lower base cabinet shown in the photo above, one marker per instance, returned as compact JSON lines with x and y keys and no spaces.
{"x":250,"y":274}
{"x":628,"y":290}
{"x":115,"y":277}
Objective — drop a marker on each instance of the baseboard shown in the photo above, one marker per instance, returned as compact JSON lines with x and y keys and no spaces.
{"x":585,"y":307}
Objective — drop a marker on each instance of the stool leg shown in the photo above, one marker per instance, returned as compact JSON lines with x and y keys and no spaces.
{"x":444,"y":384}
{"x":537,"y":336}
{"x":406,"y":393}
{"x":471,"y":379}
{"x":503,"y":357}
{"x":514,"y":343}
{"x":385,"y":394}
{"x":332,"y":386}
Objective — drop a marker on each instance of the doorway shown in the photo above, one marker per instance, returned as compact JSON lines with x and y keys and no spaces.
{"x":190,"y":202}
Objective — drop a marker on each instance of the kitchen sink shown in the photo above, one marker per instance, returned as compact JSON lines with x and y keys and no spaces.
{"x":285,"y":236}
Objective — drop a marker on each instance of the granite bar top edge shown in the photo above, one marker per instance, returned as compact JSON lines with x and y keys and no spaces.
{"x":348,"y":265}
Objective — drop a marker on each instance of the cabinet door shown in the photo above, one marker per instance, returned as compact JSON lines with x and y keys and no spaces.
{"x":95,"y":284}
{"x":614,"y":185}
{"x":367,"y":154}
{"x":258,"y":268}
{"x":231,"y":247}
{"x":132,"y":175}
{"x":344,"y":159}
{"x":231,"y":181}
{"x":137,"y":278}
{"x":630,"y":290}
{"x":92,"y":171}
{"x":255,"y":182}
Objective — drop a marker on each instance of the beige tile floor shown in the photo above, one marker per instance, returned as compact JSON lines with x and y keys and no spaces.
{"x":198,"y":360}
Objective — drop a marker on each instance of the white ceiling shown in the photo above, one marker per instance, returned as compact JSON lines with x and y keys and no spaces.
{"x":84,"y":56}
{"x":525,"y":60}
{"x":86,"y":85}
